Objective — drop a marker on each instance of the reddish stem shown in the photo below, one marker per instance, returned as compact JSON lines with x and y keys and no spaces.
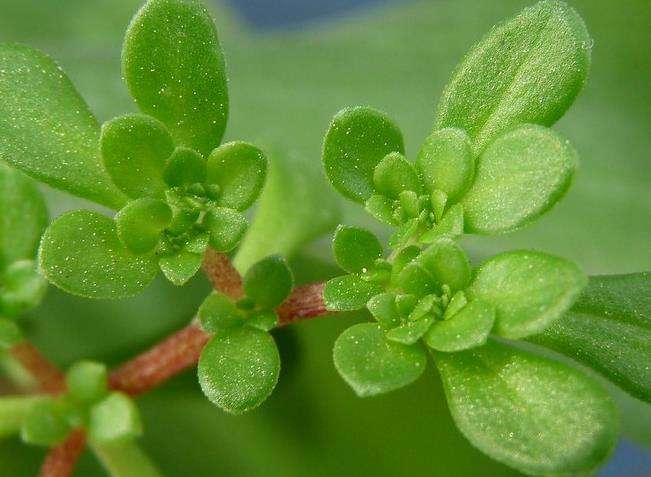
{"x":62,"y":459}
{"x":305,"y":302}
{"x":49,"y":378}
{"x":222,"y":274}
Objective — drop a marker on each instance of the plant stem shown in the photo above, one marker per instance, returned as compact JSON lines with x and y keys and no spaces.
{"x":13,"y":410}
{"x":125,"y":459}
{"x":49,"y":378}
{"x":62,"y":459}
{"x":305,"y":302}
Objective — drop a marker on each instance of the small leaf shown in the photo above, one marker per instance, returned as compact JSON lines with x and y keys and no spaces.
{"x":87,"y":381}
{"x":446,"y":162}
{"x":226,"y":226}
{"x":355,"y":249}
{"x":184,"y":214}
{"x":82,"y":254}
{"x":357,"y":140}
{"x":348,"y":293}
{"x":415,"y":279}
{"x":24,"y":216}
{"x":609,"y":329}
{"x":239,"y":169}
{"x":114,"y":419}
{"x":238,"y":370}
{"x":412,"y":331}
{"x":381,"y":208}
{"x":394,"y":174}
{"x":457,"y":302}
{"x":264,"y":320}
{"x":10,"y":334}
{"x":519,"y":177}
{"x":140,"y":223}
{"x":450,"y":226}
{"x":529,"y":290}
{"x":14,"y":409}
{"x":184,"y":167}
{"x":21,"y":288}
{"x":44,"y":424}
{"x":178,"y":267}
{"x":372,"y":365}
{"x":538,"y":416}
{"x":402,"y":258}
{"x":174,"y":68}
{"x":46,"y":128}
{"x":466,"y":329}
{"x":269,"y":282}
{"x":219,"y":313}
{"x":448,"y":263}
{"x":135,"y":148}
{"x":526,"y":70}
{"x":384,"y":310}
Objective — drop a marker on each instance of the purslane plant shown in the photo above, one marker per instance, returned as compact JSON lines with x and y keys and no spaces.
{"x":490,"y":166}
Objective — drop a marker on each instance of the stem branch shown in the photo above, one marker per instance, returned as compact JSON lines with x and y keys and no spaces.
{"x":62,"y":459}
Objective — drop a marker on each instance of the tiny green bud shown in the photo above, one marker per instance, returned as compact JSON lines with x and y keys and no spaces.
{"x":45,"y":424}
{"x":87,"y":381}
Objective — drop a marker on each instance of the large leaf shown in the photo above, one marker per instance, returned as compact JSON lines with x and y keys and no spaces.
{"x":538,"y":416}
{"x":357,"y":140}
{"x":238,"y":369}
{"x":23,"y":218}
{"x":519,"y":177}
{"x":174,"y":68}
{"x":46,"y":128}
{"x":82,"y":254}
{"x":527,"y":70}
{"x":530,"y":290}
{"x":609,"y":329}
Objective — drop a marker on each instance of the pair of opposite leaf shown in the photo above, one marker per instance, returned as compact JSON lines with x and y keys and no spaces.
{"x":490,"y":166}
{"x":177,"y":190}
{"x":107,"y":417}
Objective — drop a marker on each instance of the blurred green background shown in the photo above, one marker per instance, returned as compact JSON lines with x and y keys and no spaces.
{"x":288,"y":75}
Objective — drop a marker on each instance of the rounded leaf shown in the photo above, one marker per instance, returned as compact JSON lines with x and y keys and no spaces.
{"x":239,"y":369}
{"x":21,"y":288}
{"x":226,"y":226}
{"x":536,"y":415}
{"x":268,"y":282}
{"x":468,"y":328}
{"x":140,"y":223}
{"x":82,"y":254}
{"x":519,"y":177}
{"x":135,"y":148}
{"x":530,"y":290}
{"x":355,"y":249}
{"x":218,"y":313}
{"x":44,"y":424}
{"x":356,"y":141}
{"x":240,"y":170}
{"x":446,"y":162}
{"x":528,"y":69}
{"x":184,"y":167}
{"x":348,"y":293}
{"x":372,"y":365}
{"x":181,"y":265}
{"x":174,"y":68}
{"x":114,"y":419}
{"x":395,"y":174}
{"x":448,"y":263}
{"x":87,"y":381}
{"x":384,"y":310}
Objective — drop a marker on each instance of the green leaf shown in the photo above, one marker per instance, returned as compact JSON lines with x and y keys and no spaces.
{"x":181,"y":265}
{"x":46,"y":128}
{"x":10,"y":334}
{"x":124,"y":459}
{"x":264,"y":320}
{"x":24,"y":216}
{"x":226,"y":226}
{"x":446,"y":162}
{"x":87,"y":381}
{"x":355,"y":249}
{"x":394,"y":174}
{"x":526,"y":70}
{"x":348,"y":293}
{"x":141,"y":222}
{"x":174,"y":68}
{"x":44,"y":424}
{"x":609,"y":329}
{"x":114,"y":419}
{"x":450,"y":226}
{"x":538,"y":416}
{"x":21,"y":288}
{"x":268,"y":282}
{"x":219,"y":313}
{"x":402,"y":258}
{"x":519,"y":177}
{"x":412,"y":331}
{"x":448,"y":263}
{"x":184,"y":167}
{"x":381,"y":208}
{"x":468,"y":328}
{"x":135,"y":148}
{"x":356,"y":141}
{"x":82,"y":254}
{"x":372,"y":365}
{"x":239,"y":169}
{"x":13,"y":410}
{"x":529,"y":290}
{"x":384,"y":310}
{"x":238,"y":370}
{"x":415,"y":279}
